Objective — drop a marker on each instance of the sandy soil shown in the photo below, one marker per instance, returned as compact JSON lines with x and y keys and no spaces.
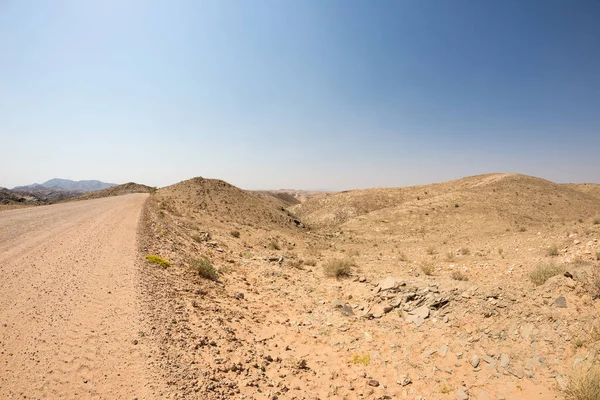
{"x":70,"y":320}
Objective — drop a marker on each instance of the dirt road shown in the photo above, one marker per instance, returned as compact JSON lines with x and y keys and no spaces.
{"x":69,"y":307}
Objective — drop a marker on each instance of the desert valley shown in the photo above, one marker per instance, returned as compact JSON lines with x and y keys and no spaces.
{"x":484,"y":287}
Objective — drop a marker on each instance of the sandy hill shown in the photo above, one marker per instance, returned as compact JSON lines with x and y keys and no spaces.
{"x":279,"y":199}
{"x":118,"y":190}
{"x":503,"y":200}
{"x":214,"y":200}
{"x":592,"y":189}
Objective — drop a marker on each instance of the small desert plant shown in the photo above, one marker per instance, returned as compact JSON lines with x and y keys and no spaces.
{"x":596,"y":221}
{"x":310,"y":261}
{"x":205,"y":268}
{"x":501,"y":252}
{"x":450,"y":256}
{"x":598,"y":255}
{"x":580,"y":220}
{"x":158,"y":260}
{"x":430,"y":250}
{"x":338,"y":268}
{"x":445,"y":389}
{"x":354,"y":253}
{"x":364,"y":359}
{"x":427,"y":268}
{"x":235,"y":234}
{"x":273,"y":246}
{"x":459,"y":276}
{"x":465,"y":251}
{"x":542,"y":272}
{"x":402,"y":256}
{"x":584,"y":384}
{"x":522,"y":229}
{"x":552,"y":251}
{"x":594,"y":284}
{"x":296,"y":263}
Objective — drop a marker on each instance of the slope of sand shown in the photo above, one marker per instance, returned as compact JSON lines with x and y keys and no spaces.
{"x":276,"y":326}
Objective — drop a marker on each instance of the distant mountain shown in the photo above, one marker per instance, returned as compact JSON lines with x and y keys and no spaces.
{"x":66,"y":184}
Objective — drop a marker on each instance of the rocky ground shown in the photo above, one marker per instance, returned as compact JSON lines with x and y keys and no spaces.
{"x":426,"y":311}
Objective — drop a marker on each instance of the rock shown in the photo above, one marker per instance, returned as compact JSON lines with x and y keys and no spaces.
{"x":568,"y":275}
{"x":461,"y":394}
{"x":362,"y":279}
{"x":418,"y":315}
{"x":134,"y":342}
{"x":239,"y":296}
{"x":387,"y":309}
{"x":500,"y":396}
{"x":518,"y":373}
{"x":373,"y":382}
{"x":344,"y":307}
{"x":475,"y":360}
{"x":443,"y":350}
{"x":387,"y":283}
{"x":561,"y":302}
{"x":489,"y":360}
{"x":404,"y":380}
{"x":504,"y":360}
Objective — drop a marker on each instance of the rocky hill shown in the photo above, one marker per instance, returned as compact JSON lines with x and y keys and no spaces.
{"x":68,"y":185}
{"x":118,"y":190}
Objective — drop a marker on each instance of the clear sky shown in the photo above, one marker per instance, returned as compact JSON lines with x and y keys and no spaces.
{"x":304,"y":94}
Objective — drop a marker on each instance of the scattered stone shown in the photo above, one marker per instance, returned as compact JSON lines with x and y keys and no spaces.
{"x":239,"y":296}
{"x":461,"y":394}
{"x":387,"y":284}
{"x":404,"y":380}
{"x":373,"y":382}
{"x":418,"y":315}
{"x":443,"y":350}
{"x":561,"y":302}
{"x":489,"y":360}
{"x":475,"y":360}
{"x":362,"y":279}
{"x":504,"y":360}
{"x":134,"y":342}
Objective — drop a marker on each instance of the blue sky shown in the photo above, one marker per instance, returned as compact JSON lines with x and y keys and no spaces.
{"x":298,"y":94}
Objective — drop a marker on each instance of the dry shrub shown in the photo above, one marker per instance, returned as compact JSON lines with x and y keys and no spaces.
{"x":338,"y":268}
{"x":402,"y":257}
{"x":595,"y":284}
{"x":552,"y":251}
{"x":542,"y":272}
{"x":273,"y":246}
{"x":584,"y":384}
{"x":450,"y":256}
{"x":235,"y":234}
{"x":310,"y":262}
{"x":597,"y":221}
{"x":296,"y":263}
{"x":205,"y":268}
{"x":430,"y":250}
{"x":465,"y":251}
{"x":427,"y":268}
{"x":459,"y":276}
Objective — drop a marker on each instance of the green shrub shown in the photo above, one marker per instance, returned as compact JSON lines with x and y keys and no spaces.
{"x":158,"y":260}
{"x":205,"y":268}
{"x":542,"y":272}
{"x":338,"y":268}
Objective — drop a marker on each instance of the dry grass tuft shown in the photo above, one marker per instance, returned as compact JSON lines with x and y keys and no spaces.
{"x":235,"y":234}
{"x":450,"y":256}
{"x":542,"y":272}
{"x":402,"y":256}
{"x":427,"y":268}
{"x":205,"y":268}
{"x":296,"y":263}
{"x":584,"y":384}
{"x":364,"y":359}
{"x":596,"y":221}
{"x":158,"y":260}
{"x":465,"y":251}
{"x":430,"y":250}
{"x":310,"y":262}
{"x":273,"y":246}
{"x":338,"y":268}
{"x":459,"y":276}
{"x":552,"y":251}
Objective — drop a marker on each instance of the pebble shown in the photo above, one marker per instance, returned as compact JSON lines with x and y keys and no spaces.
{"x":373,"y":382}
{"x":475,"y":360}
